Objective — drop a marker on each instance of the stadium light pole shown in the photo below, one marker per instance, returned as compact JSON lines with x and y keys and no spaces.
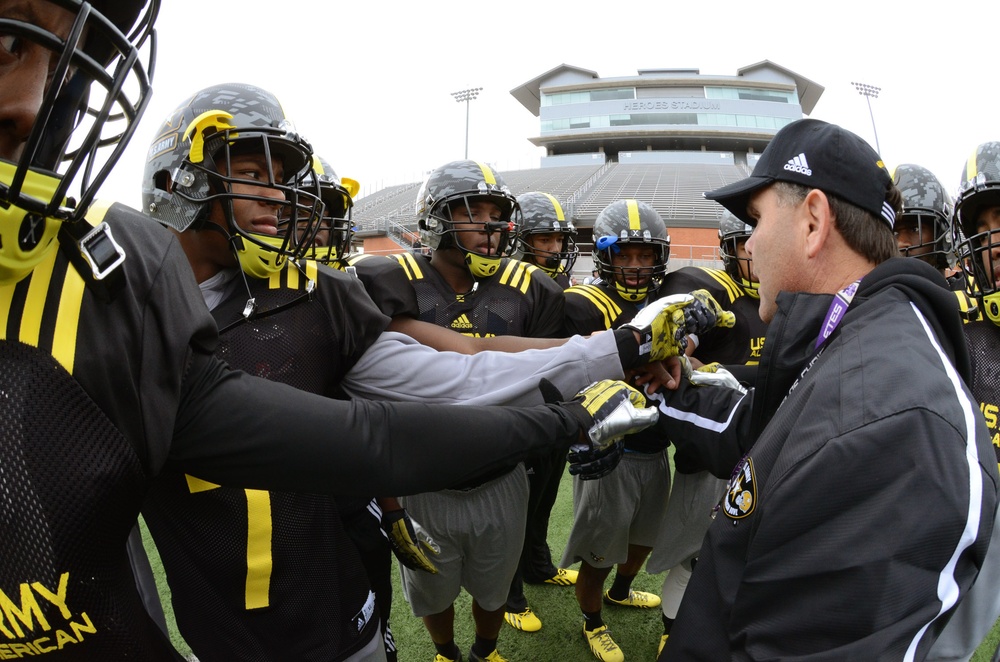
{"x":467,"y":96}
{"x":870,"y":92}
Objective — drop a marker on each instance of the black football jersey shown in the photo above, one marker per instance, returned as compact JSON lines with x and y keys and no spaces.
{"x":518,"y":300}
{"x":386,"y":283}
{"x":740,"y":345}
{"x":258,"y":575}
{"x":599,"y":307}
{"x":984,"y":348}
{"x":90,"y":391}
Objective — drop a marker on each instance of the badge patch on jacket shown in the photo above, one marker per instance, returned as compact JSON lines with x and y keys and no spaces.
{"x":741,"y":497}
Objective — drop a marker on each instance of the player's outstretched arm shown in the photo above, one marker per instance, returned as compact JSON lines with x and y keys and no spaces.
{"x":238,"y":430}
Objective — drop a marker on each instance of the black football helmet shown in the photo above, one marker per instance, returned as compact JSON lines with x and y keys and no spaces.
{"x":188,"y":170}
{"x":460,"y":183}
{"x":732,"y":233}
{"x":541,"y":213}
{"x":55,"y":158}
{"x":624,"y":223}
{"x":333,"y":237}
{"x":925,"y":205}
{"x":979,"y":190}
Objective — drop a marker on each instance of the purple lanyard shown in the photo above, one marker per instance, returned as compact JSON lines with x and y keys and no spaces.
{"x":841,"y":300}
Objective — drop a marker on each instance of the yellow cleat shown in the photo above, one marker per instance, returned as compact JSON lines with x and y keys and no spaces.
{"x":602,"y":645}
{"x":663,"y":642}
{"x":639,"y":599}
{"x":441,"y":658}
{"x":492,"y":657}
{"x":525,"y":621}
{"x":563,"y":577}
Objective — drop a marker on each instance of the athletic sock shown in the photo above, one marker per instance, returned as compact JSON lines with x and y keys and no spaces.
{"x":448,"y":650}
{"x":621,"y":586}
{"x":592,"y":620}
{"x":483,"y":647}
{"x":667,"y":624}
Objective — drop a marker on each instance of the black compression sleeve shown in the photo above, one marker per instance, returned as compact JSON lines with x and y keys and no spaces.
{"x":242,"y":431}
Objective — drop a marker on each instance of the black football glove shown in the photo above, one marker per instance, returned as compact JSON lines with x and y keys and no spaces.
{"x":409,"y":542}
{"x":664,"y":324}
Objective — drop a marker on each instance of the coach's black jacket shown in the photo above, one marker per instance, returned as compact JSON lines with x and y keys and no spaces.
{"x":864,"y":508}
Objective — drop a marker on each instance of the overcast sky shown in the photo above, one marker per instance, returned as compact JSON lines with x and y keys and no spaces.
{"x":369,"y":83}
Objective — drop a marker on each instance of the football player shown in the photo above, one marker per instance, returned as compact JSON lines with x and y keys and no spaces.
{"x":616,"y":518}
{"x":546,"y":237}
{"x":924,"y":229}
{"x":108,"y":352}
{"x":470,"y":219}
{"x":976,"y":233}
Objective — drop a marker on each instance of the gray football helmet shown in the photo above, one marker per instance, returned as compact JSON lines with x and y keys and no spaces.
{"x":460,"y":183}
{"x":541,"y":213}
{"x":188,"y":170}
{"x":979,"y":190}
{"x":624,"y":223}
{"x":927,"y":210}
{"x":732,"y":232}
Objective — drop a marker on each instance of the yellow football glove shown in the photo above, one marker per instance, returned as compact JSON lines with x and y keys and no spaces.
{"x":664,"y":324}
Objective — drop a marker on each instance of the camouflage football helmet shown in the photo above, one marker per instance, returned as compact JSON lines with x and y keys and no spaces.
{"x":188,"y":171}
{"x":460,"y":183}
{"x":332,"y":239}
{"x":926,"y":216}
{"x":732,"y":233}
{"x":628,"y":223}
{"x":97,"y":88}
{"x":979,"y":190}
{"x":541,"y":213}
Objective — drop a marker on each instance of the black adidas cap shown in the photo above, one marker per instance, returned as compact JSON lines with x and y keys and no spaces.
{"x":818,"y":155}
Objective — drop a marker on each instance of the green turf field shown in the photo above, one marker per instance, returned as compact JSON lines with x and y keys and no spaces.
{"x":637,"y":632}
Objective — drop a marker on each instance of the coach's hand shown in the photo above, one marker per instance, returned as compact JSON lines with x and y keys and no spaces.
{"x":409,"y":542}
{"x":664,"y":324}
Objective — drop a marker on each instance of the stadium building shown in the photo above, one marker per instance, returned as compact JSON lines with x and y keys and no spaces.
{"x":663,"y":136}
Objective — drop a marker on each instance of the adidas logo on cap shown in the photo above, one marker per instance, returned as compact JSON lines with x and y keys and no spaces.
{"x":799,"y":165}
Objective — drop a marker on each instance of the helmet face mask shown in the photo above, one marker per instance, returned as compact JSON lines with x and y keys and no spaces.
{"x":733,"y":235}
{"x":450,"y":207}
{"x":98,"y":86}
{"x":227,"y":146}
{"x":543,"y":215}
{"x":981,"y":263}
{"x":630,"y":223}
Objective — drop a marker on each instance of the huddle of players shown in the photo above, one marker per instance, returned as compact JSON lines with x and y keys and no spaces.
{"x":483,"y":291}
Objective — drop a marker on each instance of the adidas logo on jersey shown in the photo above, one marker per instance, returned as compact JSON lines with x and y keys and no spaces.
{"x":799,"y":165}
{"x":461,"y":323}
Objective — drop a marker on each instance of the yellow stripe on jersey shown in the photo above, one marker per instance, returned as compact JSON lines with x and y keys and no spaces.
{"x":516,"y":275}
{"x":633,"y":215}
{"x":34,"y":305}
{"x":67,"y":312}
{"x":726,"y":281}
{"x":410,"y":266}
{"x":68,"y":320}
{"x":293,"y":274}
{"x":601,"y":300}
{"x":259,"y":560}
